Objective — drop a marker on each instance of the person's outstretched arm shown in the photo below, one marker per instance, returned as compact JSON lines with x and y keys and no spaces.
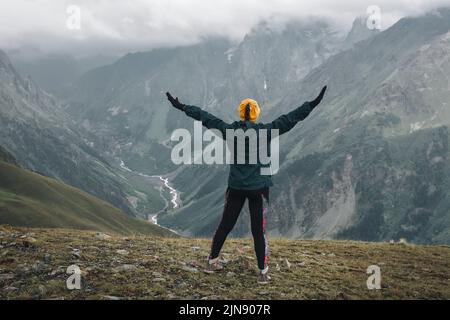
{"x":207,"y":119}
{"x":287,"y":121}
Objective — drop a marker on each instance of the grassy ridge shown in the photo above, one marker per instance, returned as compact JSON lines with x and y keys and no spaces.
{"x":32,"y":200}
{"x":33,"y":264}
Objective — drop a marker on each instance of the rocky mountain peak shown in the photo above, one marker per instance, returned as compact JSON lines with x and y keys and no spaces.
{"x":359,"y":32}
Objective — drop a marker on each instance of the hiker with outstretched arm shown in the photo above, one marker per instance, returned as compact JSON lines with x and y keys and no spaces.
{"x":245,"y":181}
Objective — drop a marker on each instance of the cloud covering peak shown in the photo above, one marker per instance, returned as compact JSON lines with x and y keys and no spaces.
{"x":122,"y":26}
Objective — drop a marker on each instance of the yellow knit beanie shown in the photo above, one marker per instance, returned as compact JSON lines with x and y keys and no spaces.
{"x":254,"y":109}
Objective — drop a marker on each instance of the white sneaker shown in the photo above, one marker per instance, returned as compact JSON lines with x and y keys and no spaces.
{"x":214,"y":265}
{"x":263,"y":277}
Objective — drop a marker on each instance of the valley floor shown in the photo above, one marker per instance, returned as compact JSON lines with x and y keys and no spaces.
{"x":33,"y":265}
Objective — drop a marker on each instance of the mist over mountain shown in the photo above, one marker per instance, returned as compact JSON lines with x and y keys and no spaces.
{"x":370,"y":163}
{"x":55,"y":73}
{"x":358,"y":32}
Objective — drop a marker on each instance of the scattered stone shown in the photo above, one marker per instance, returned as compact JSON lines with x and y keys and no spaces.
{"x":42,"y":290}
{"x":230,"y":274}
{"x":331,"y":255}
{"x":94,"y":248}
{"x":195,"y":248}
{"x":28,"y":242}
{"x":76,"y":253}
{"x":6,"y":276}
{"x":180,"y":284}
{"x":302,"y":264}
{"x":189,"y":269}
{"x":122,"y":252}
{"x":10,"y":289}
{"x":277,"y":267}
{"x":102,"y":236}
{"x":125,"y":267}
{"x":288,"y":264}
{"x":58,"y":271}
{"x":47,"y":258}
{"x":159,"y":280}
{"x":37,"y":267}
{"x":403,"y":241}
{"x":157,"y":274}
{"x":88,"y":269}
{"x":111,"y":298}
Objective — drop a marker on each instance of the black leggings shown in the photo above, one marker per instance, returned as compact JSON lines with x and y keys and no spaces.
{"x":258,"y":206}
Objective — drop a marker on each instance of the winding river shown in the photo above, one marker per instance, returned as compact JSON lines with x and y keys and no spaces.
{"x":164,"y":183}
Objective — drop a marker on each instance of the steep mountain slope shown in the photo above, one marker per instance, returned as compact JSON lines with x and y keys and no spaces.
{"x":55,"y":72}
{"x":7,"y":157}
{"x":160,"y":268}
{"x":358,"y":32}
{"x":397,"y":85}
{"x":32,"y":200}
{"x":41,"y":136}
{"x":267,"y":59}
{"x":124,"y":103}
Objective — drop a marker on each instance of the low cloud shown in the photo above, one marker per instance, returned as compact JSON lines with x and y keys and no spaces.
{"x":116,"y":26}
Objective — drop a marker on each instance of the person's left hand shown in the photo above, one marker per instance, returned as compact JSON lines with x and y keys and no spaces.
{"x":175,"y":102}
{"x":317,"y":100}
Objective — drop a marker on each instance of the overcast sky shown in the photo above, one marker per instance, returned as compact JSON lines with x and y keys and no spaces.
{"x":108,"y":26}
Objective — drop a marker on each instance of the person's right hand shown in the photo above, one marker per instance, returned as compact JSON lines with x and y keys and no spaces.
{"x":175,"y":102}
{"x":317,"y":100}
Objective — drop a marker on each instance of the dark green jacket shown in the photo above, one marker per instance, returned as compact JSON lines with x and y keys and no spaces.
{"x":247,"y":176}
